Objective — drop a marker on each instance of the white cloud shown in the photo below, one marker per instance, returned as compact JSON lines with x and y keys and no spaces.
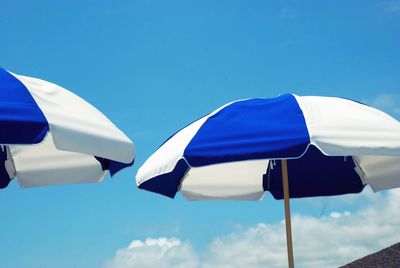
{"x":318,"y":242}
{"x":327,"y":241}
{"x":336,"y":214}
{"x":161,"y":252}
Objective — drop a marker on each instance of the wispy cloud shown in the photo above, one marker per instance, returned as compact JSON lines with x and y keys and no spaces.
{"x":287,"y":13}
{"x":393,"y":6}
{"x":327,"y":241}
{"x":389,"y":103}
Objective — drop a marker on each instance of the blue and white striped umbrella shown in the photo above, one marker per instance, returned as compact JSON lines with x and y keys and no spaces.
{"x":333,"y":146}
{"x":50,"y":136}
{"x":324,"y":146}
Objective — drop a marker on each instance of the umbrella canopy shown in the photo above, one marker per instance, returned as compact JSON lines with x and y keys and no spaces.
{"x":48,"y":135}
{"x":291,"y":146}
{"x":333,"y":146}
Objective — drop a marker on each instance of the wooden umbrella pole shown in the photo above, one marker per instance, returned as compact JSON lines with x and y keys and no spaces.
{"x":285,"y":181}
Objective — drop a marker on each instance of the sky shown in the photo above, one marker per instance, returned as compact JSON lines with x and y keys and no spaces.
{"x":155,"y":66}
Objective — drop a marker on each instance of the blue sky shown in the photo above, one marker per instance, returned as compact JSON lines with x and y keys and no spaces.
{"x":154,"y":66}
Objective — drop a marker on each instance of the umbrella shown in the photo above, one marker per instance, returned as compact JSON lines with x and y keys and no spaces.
{"x":292,"y":146}
{"x":49,"y":136}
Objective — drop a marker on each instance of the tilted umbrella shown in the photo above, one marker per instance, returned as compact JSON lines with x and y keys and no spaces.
{"x":49,"y":136}
{"x":328,"y":145}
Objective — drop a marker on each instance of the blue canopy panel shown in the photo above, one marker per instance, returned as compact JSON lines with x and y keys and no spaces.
{"x":111,"y":165}
{"x":168,"y":183}
{"x":314,"y":174}
{"x":21,"y":120}
{"x":250,"y":129}
{"x":4,"y":178}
